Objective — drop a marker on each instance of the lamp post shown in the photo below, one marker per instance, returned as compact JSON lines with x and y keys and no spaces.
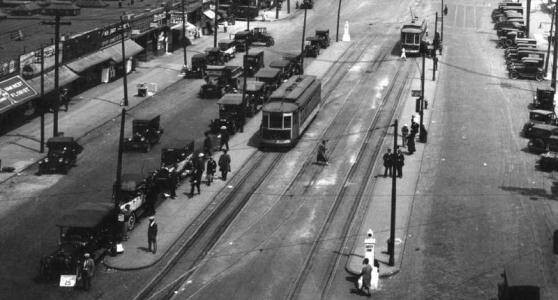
{"x":442,"y":25}
{"x":338,"y":16}
{"x":553,"y":82}
{"x":58,"y":10}
{"x":528,"y":18}
{"x":184,"y":10}
{"x":391,"y":241}
{"x":302,"y":46}
{"x":124,"y":76}
{"x":215,"y":31}
{"x":549,"y":42}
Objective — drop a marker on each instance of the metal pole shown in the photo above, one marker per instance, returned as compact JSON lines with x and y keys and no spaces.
{"x":288,"y":6}
{"x":436,"y":25}
{"x":555,"y":53}
{"x":302,"y":46}
{"x":118,"y":180}
{"x":528,"y":17}
{"x":124,"y":77}
{"x":247,"y":23}
{"x":42,"y":106}
{"x":184,"y":34}
{"x":244,"y":65}
{"x":338,"y":16}
{"x":391,"y":241}
{"x":434,"y":58}
{"x":56,"y":65}
{"x":276,"y":9}
{"x":549,"y":42}
{"x":442,"y":25}
{"x":215,"y":33}
{"x":422,"y":95}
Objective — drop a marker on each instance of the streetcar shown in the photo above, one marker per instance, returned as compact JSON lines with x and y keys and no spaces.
{"x":291,"y":108}
{"x":412,"y":34}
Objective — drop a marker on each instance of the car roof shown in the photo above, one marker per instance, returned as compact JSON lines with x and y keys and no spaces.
{"x":199,"y":55}
{"x":546,"y":127}
{"x":312,"y":38}
{"x":541,"y":111}
{"x":517,"y":274}
{"x":85,"y":215}
{"x":212,"y":67}
{"x":212,"y":49}
{"x":61,"y":140}
{"x":226,"y":41}
{"x":230,"y":99}
{"x":253,"y":85}
{"x":267,"y":72}
{"x":279,"y":63}
{"x":178,"y":144}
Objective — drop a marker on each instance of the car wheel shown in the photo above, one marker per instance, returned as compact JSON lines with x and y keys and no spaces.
{"x":539,"y":77}
{"x":509,"y":43}
{"x":132,"y":221}
{"x":514,"y":75}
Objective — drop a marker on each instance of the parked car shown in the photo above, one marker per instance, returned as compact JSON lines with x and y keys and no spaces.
{"x":242,"y":38}
{"x":215,"y":56}
{"x":220,"y":80}
{"x":253,"y":61}
{"x":146,"y":132}
{"x":87,"y":228}
{"x":176,"y":157}
{"x":197,"y":69}
{"x":323,"y":35}
{"x":312,"y":47}
{"x":61,"y":157}
{"x":528,"y":68}
{"x":289,"y":66}
{"x":272,"y":77}
{"x":549,"y":160}
{"x":539,"y":116}
{"x":307,"y":4}
{"x":544,"y":99}
{"x":543,"y":144}
{"x":519,"y":284}
{"x":228,"y":47}
{"x":133,"y":191}
{"x":260,"y":35}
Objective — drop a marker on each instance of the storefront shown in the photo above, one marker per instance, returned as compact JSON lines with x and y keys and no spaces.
{"x":15,"y":104}
{"x":151,"y":32}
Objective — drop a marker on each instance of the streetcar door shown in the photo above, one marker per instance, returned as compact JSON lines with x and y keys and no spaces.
{"x":288,"y":125}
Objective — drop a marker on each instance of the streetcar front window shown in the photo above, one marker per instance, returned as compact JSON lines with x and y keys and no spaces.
{"x":265,"y":120}
{"x":287,"y":122}
{"x":275,"y":120}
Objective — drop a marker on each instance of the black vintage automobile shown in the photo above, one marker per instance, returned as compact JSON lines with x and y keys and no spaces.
{"x":307,"y":4}
{"x":520,"y":282}
{"x":272,"y":78}
{"x":543,"y":144}
{"x":548,"y":161}
{"x":528,"y":68}
{"x":242,"y":38}
{"x":215,"y":56}
{"x":253,"y":62}
{"x":231,"y":113}
{"x":257,"y":93}
{"x":197,"y":69}
{"x":544,"y":99}
{"x":260,"y":35}
{"x":146,"y":132}
{"x":220,"y":80}
{"x":323,"y":35}
{"x":289,"y":66}
{"x":312,"y":47}
{"x":228,"y":47}
{"x":86,"y":228}
{"x":62,"y":155}
{"x":133,"y":191}
{"x":539,"y":116}
{"x":176,"y":157}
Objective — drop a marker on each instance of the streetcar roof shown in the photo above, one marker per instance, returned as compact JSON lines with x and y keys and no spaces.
{"x":230,"y":99}
{"x":294,"y":87}
{"x":254,"y":86}
{"x":412,"y":30}
{"x":280,"y":106}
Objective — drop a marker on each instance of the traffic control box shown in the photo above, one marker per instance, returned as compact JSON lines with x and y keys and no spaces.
{"x":417,"y":105}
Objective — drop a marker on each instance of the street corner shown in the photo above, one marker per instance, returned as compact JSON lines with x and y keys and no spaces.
{"x":354,"y":266}
{"x":134,"y":258}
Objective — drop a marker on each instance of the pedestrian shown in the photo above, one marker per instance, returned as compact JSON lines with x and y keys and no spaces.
{"x":224,"y":164}
{"x":388,"y":163}
{"x":207,"y":145}
{"x":403,"y":54}
{"x":195,"y":181}
{"x":126,"y":212}
{"x":399,"y":162}
{"x":445,"y":10}
{"x":65,"y":98}
{"x":411,"y":143}
{"x":224,"y":133}
{"x":173,"y":181}
{"x":414,"y":127}
{"x":87,"y":271}
{"x":404,"y":134}
{"x":210,"y":170}
{"x":121,"y":224}
{"x":321,"y":155}
{"x":366,"y":274}
{"x":152,"y":235}
{"x":241,"y":119}
{"x":297,"y":5}
{"x":225,"y":25}
{"x":423,"y":136}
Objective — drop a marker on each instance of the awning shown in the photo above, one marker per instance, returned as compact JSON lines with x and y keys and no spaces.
{"x":210,"y":14}
{"x":113,"y":52}
{"x":65,"y":76}
{"x":178,"y":26}
{"x":15,"y":91}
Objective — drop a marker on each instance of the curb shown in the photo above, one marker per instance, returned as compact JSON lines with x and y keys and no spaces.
{"x":381,"y":275}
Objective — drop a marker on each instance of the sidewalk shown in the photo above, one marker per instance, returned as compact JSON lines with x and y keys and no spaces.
{"x":378,"y":215}
{"x":89,"y":110}
{"x":175,"y":216}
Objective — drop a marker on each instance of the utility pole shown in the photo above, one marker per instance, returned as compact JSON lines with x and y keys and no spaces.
{"x":216,"y":17}
{"x":421,"y":133}
{"x":554,"y":58}
{"x":338,"y":17}
{"x":288,"y":6}
{"x":42,"y":106}
{"x":118,"y":181}
{"x":277,"y":9}
{"x":549,"y":42}
{"x":302,"y":46}
{"x":184,"y":33}
{"x":391,"y":241}
{"x":124,"y":77}
{"x":442,"y":25}
{"x":528,"y":17}
{"x":244,"y":66}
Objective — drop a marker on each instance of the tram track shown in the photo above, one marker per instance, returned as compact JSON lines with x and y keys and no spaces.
{"x":366,"y":157}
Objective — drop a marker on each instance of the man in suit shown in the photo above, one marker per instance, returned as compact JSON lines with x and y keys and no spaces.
{"x":152,"y":235}
{"x":87,"y":271}
{"x":224,"y":164}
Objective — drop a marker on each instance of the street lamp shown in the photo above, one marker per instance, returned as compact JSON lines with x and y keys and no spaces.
{"x":391,"y":241}
{"x":58,"y":10}
{"x":302,"y":46}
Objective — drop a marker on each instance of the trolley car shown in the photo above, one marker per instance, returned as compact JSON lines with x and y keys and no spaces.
{"x":290,"y":110}
{"x":412,"y":34}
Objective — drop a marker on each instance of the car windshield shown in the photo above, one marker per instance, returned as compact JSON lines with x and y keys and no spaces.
{"x":539,"y":117}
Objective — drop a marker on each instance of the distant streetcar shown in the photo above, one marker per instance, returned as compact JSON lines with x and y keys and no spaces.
{"x":290,"y":110}
{"x":412,"y":34}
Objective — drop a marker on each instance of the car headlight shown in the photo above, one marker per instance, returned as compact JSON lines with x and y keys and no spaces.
{"x":60,"y":160}
{"x":129,"y":139}
{"x":142,"y":139}
{"x":46,"y":159}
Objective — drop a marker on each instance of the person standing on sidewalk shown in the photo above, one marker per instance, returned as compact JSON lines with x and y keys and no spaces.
{"x":399,"y":162}
{"x":404,"y":134}
{"x":366,"y":274}
{"x":224,"y":164}
{"x":388,"y":160}
{"x":224,"y":133}
{"x":411,"y":143}
{"x":173,"y":181}
{"x":195,"y":181}
{"x":152,"y":235}
{"x":87,"y":271}
{"x":210,"y":170}
{"x":207,"y":145}
{"x":127,"y":213}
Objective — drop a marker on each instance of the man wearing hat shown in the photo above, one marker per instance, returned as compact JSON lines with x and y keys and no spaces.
{"x":173,"y":181}
{"x":224,"y":138}
{"x":87,"y":271}
{"x":152,"y":235}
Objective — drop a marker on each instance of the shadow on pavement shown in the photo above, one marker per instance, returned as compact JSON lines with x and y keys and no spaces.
{"x":537,"y":192}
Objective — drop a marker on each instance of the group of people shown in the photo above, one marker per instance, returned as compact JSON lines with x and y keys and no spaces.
{"x":391,"y":160}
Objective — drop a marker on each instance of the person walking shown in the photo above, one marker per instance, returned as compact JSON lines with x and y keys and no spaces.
{"x":366,"y":274}
{"x":321,"y":155}
{"x":399,"y":162}
{"x":173,"y":181}
{"x":224,"y":164}
{"x":152,"y":235}
{"x":195,"y":181}
{"x":411,"y":143}
{"x":127,"y":212}
{"x":404,"y":134}
{"x":388,"y":163}
{"x":87,"y":271}
{"x":403,"y":53}
{"x":210,"y":170}
{"x":207,"y":145}
{"x":224,"y":133}
{"x":65,"y":98}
